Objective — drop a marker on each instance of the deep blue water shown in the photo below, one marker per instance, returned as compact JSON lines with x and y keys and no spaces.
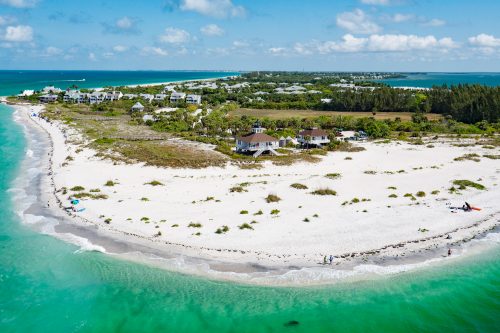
{"x":427,"y":80}
{"x":14,"y":81}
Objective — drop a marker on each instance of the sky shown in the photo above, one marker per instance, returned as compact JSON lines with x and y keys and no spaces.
{"x":318,"y":35}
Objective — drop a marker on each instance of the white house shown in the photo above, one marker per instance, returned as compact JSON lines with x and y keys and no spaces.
{"x":137,"y":107}
{"x":130,"y":96}
{"x":48,"y":98}
{"x":26,"y":93}
{"x":313,"y":137}
{"x":147,"y":117}
{"x":113,"y":95}
{"x":257,"y":142}
{"x":326,"y":100}
{"x":193,"y":99}
{"x":74,"y":96}
{"x":51,"y":89}
{"x":97,"y":97}
{"x":177,"y":96}
{"x":160,"y":97}
{"x":147,"y":97}
{"x":169,"y":89}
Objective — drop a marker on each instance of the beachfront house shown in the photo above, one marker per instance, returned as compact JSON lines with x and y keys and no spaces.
{"x":137,"y":107}
{"x":51,"y":90}
{"x":177,"y":96}
{"x":74,"y":96}
{"x":130,"y":96}
{"x":147,"y":97}
{"x":313,"y":137}
{"x":148,"y":117}
{"x":97,"y":97}
{"x":193,"y":99}
{"x":113,"y":96}
{"x":48,"y":98}
{"x":26,"y":93}
{"x":257,"y":142}
{"x":160,"y":97}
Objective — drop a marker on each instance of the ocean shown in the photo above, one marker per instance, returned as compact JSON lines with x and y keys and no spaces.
{"x":15,"y":81}
{"x":48,"y":285}
{"x":428,"y":80}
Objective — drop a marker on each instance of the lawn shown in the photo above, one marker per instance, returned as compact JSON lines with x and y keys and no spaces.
{"x":280,"y":114}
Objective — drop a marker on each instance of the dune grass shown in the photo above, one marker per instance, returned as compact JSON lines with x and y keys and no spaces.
{"x":324,"y":191}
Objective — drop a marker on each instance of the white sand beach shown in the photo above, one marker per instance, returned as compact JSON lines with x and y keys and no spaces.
{"x":305,"y":227}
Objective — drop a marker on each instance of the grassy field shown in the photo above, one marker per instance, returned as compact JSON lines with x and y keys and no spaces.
{"x":280,"y":114}
{"x":116,"y":132}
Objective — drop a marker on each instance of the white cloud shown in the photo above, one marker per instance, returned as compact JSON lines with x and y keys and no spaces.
{"x":6,"y":20}
{"x":240,"y":44}
{"x":302,"y":49}
{"x":124,"y":23}
{"x":398,"y":18}
{"x":357,"y":22}
{"x":120,"y":48}
{"x":434,"y":23}
{"x":92,"y":56}
{"x":19,"y":3}
{"x":276,"y":50}
{"x":376,"y":2}
{"x":156,"y":51}
{"x":214,"y":8}
{"x":19,"y":33}
{"x":175,"y":36}
{"x":52,"y":51}
{"x":212,"y":30}
{"x":384,"y":43}
{"x":484,"y":40}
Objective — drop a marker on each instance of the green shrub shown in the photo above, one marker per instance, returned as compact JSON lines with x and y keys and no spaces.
{"x":392,"y":188}
{"x":245,"y":226}
{"x":107,"y":221}
{"x":144,"y":199}
{"x":222,"y":230}
{"x":435,"y":192}
{"x":275,"y":212}
{"x":260,"y":212}
{"x":492,"y":157}
{"x":95,"y":190}
{"x":420,"y":194}
{"x":370,"y":172}
{"x":299,"y":186}
{"x":77,"y":188}
{"x":244,"y":212}
{"x":194,"y":225}
{"x":463,"y":184}
{"x":324,"y":191}
{"x":393,"y":196}
{"x":110,"y":183}
{"x":355,"y":200}
{"x":306,"y":220}
{"x":154,"y":183}
{"x":272,"y":198}
{"x":174,"y":225}
{"x":333,"y":175}
{"x":144,"y":218}
{"x":237,"y":189}
{"x":468,"y":157}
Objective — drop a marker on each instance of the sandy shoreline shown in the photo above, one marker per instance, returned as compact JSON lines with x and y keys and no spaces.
{"x":267,"y":258}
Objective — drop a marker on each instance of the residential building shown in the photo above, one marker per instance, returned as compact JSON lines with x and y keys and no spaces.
{"x":48,"y":98}
{"x":97,"y":97}
{"x":147,"y":97}
{"x":137,"y":107}
{"x":160,"y":97}
{"x":313,"y":137}
{"x":51,"y":90}
{"x":113,"y":96}
{"x":257,"y":142}
{"x":177,"y":96}
{"x":193,"y":99}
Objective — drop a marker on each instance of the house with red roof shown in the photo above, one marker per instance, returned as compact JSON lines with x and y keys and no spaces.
{"x":257,"y":142}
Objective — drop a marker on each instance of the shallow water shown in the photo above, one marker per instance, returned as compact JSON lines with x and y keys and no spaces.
{"x":47,"y":285}
{"x":427,"y":80}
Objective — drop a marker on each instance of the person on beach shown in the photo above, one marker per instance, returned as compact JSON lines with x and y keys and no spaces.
{"x":449,"y":252}
{"x":324,"y":260}
{"x":331,"y":259}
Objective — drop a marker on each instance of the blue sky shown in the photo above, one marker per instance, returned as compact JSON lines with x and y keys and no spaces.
{"x":330,"y":35}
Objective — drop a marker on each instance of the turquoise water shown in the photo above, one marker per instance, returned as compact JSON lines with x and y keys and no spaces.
{"x":427,"y":80}
{"x":14,"y":81}
{"x":46,"y":285}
